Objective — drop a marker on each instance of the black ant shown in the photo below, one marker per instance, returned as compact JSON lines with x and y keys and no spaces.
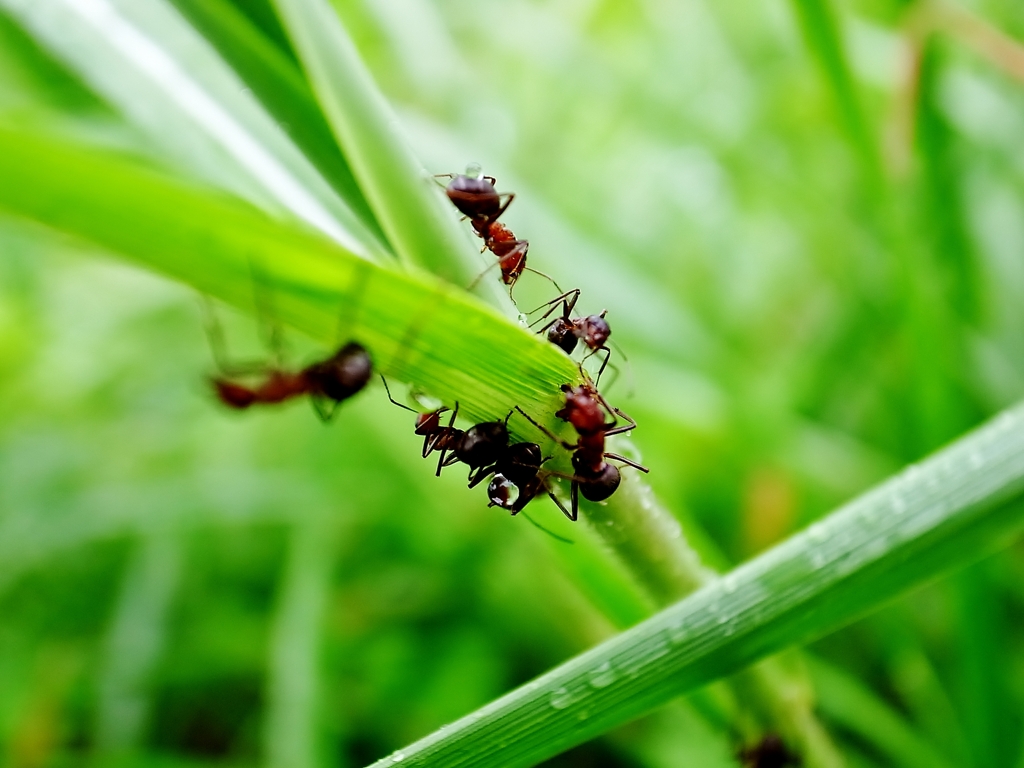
{"x":517,"y":469}
{"x":594,"y":477}
{"x":477,"y":199}
{"x":565,"y":333}
{"x":770,"y":752}
{"x":335,"y":379}
{"x":478,"y":446}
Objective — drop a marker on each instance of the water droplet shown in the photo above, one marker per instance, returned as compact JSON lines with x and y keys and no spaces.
{"x":561,"y":698}
{"x":603,"y":676}
{"x":398,"y":757}
{"x":818,"y":532}
{"x":729,"y":584}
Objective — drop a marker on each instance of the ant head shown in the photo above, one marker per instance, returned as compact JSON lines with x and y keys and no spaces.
{"x":561,"y":335}
{"x":521,"y":462}
{"x":600,"y":486}
{"x":474,"y":196}
{"x":502,"y":492}
{"x":582,"y":410}
{"x":595,"y":331}
{"x":345,"y":373}
{"x":428,"y":423}
{"x":482,"y":444}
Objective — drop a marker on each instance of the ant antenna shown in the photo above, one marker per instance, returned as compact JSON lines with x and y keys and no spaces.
{"x":388,"y":390}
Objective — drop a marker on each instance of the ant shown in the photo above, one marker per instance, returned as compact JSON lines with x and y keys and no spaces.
{"x":769,"y":752}
{"x":476,"y":198}
{"x":565,"y":333}
{"x":479,"y":446}
{"x":585,"y":409}
{"x":518,"y":468}
{"x":328,"y":382}
{"x":336,"y":379}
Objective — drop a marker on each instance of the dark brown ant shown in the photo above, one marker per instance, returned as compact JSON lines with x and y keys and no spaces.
{"x":476,"y":198}
{"x":770,"y":752}
{"x":565,"y":333}
{"x":585,"y":409}
{"x":478,"y":446}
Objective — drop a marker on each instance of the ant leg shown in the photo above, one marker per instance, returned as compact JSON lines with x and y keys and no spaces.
{"x":604,"y":364}
{"x":263,"y":301}
{"x":218,"y":346}
{"x":544,"y":274}
{"x":325,"y":412}
{"x":546,"y":431}
{"x":567,"y":304}
{"x":574,"y":498}
{"x":510,"y":195}
{"x":625,"y":428}
{"x":388,"y":390}
{"x":441,"y":463}
{"x":552,"y":534}
{"x":479,"y":475}
{"x":479,"y":277}
{"x":627,"y":462}
{"x":571,"y":515}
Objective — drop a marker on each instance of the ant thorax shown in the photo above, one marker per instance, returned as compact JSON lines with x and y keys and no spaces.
{"x":562,"y":334}
{"x":583,"y":411}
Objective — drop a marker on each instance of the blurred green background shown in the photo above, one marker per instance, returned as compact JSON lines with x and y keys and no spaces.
{"x":806,"y":223}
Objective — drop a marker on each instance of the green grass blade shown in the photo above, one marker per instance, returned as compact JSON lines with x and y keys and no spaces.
{"x":418,"y":329}
{"x":851,"y":704}
{"x":953,"y":508}
{"x":822,"y":32}
{"x":418,"y":221}
{"x":134,"y":54}
{"x":279,"y":84}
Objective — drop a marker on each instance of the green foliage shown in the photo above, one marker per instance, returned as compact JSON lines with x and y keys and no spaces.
{"x":804,"y":222}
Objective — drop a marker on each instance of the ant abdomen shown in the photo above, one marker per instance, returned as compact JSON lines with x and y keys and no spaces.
{"x":482,"y":444}
{"x":602,"y":485}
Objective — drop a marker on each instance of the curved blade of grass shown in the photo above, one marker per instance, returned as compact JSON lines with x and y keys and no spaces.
{"x":280,"y":86}
{"x":953,"y":508}
{"x":143,"y":58}
{"x":417,"y":219}
{"x":417,"y":328}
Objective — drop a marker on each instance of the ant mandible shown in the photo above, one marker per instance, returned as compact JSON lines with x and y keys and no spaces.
{"x":565,"y":333}
{"x":594,"y":477}
{"x":333,"y":380}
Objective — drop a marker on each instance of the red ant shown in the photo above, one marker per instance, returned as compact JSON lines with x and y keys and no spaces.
{"x":328,"y":382}
{"x":770,"y":752}
{"x":565,"y":333}
{"x":477,"y":199}
{"x":594,"y":477}
{"x":336,"y":379}
{"x":478,"y":446}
